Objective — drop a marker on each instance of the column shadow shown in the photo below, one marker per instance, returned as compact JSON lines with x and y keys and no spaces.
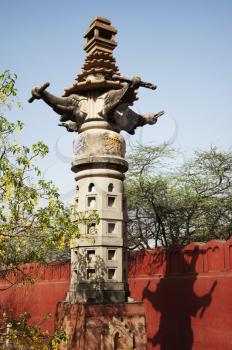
{"x":176,"y":301}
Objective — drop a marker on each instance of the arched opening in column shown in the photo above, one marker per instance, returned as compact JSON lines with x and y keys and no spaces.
{"x":92,"y":188}
{"x":111,"y":188}
{"x":116,"y":341}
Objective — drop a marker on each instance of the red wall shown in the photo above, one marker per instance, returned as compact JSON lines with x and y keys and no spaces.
{"x":187,"y":292}
{"x":38,"y":299}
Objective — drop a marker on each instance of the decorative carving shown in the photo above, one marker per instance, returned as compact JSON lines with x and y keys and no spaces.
{"x":126,"y":119}
{"x":113,"y":144}
{"x":100,"y":92}
{"x":115,"y":109}
{"x":119,"y":334}
{"x":79,"y":144}
{"x":69,"y":108}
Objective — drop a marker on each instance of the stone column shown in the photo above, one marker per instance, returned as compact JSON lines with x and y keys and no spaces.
{"x":96,"y":314}
{"x":99,"y":256}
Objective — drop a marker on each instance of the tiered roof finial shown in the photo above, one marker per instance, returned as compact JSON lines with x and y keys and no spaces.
{"x":100,"y":36}
{"x":99,"y":66}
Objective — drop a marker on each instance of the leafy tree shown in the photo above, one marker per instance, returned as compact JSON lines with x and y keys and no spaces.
{"x":34,"y":223}
{"x":192,"y":202}
{"x":19,"y":334}
{"x":35,"y":226}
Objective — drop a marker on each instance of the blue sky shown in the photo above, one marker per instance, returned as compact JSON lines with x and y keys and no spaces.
{"x":182,"y":46}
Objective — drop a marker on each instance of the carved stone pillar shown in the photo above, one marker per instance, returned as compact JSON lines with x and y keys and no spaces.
{"x":102,"y":327}
{"x":96,"y":314}
{"x":99,"y":256}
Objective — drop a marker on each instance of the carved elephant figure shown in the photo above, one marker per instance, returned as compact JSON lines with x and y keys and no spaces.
{"x":115,"y":108}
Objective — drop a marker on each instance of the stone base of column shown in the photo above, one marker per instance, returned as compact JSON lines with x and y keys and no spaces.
{"x":102,"y":326}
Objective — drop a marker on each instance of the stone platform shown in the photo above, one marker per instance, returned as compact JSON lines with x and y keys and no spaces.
{"x":102,"y":327}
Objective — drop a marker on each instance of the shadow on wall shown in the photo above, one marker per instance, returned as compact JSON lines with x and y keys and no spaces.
{"x":176,"y":301}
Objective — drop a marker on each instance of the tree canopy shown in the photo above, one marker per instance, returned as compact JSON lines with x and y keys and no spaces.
{"x":35,"y":225}
{"x":178,"y":205}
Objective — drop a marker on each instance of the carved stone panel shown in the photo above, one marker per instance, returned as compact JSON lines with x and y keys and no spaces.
{"x":97,"y":142}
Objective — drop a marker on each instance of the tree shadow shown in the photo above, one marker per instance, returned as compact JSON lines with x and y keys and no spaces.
{"x":176,"y":301}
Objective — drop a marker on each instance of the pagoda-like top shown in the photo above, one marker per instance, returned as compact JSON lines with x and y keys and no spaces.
{"x":99,"y":66}
{"x":99,"y":93}
{"x":100,"y":36}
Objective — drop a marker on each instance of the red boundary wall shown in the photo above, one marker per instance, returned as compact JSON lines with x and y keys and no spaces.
{"x":187,"y":293}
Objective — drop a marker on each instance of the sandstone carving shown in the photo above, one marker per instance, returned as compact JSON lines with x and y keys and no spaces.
{"x":115,"y":107}
{"x":98,"y":107}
